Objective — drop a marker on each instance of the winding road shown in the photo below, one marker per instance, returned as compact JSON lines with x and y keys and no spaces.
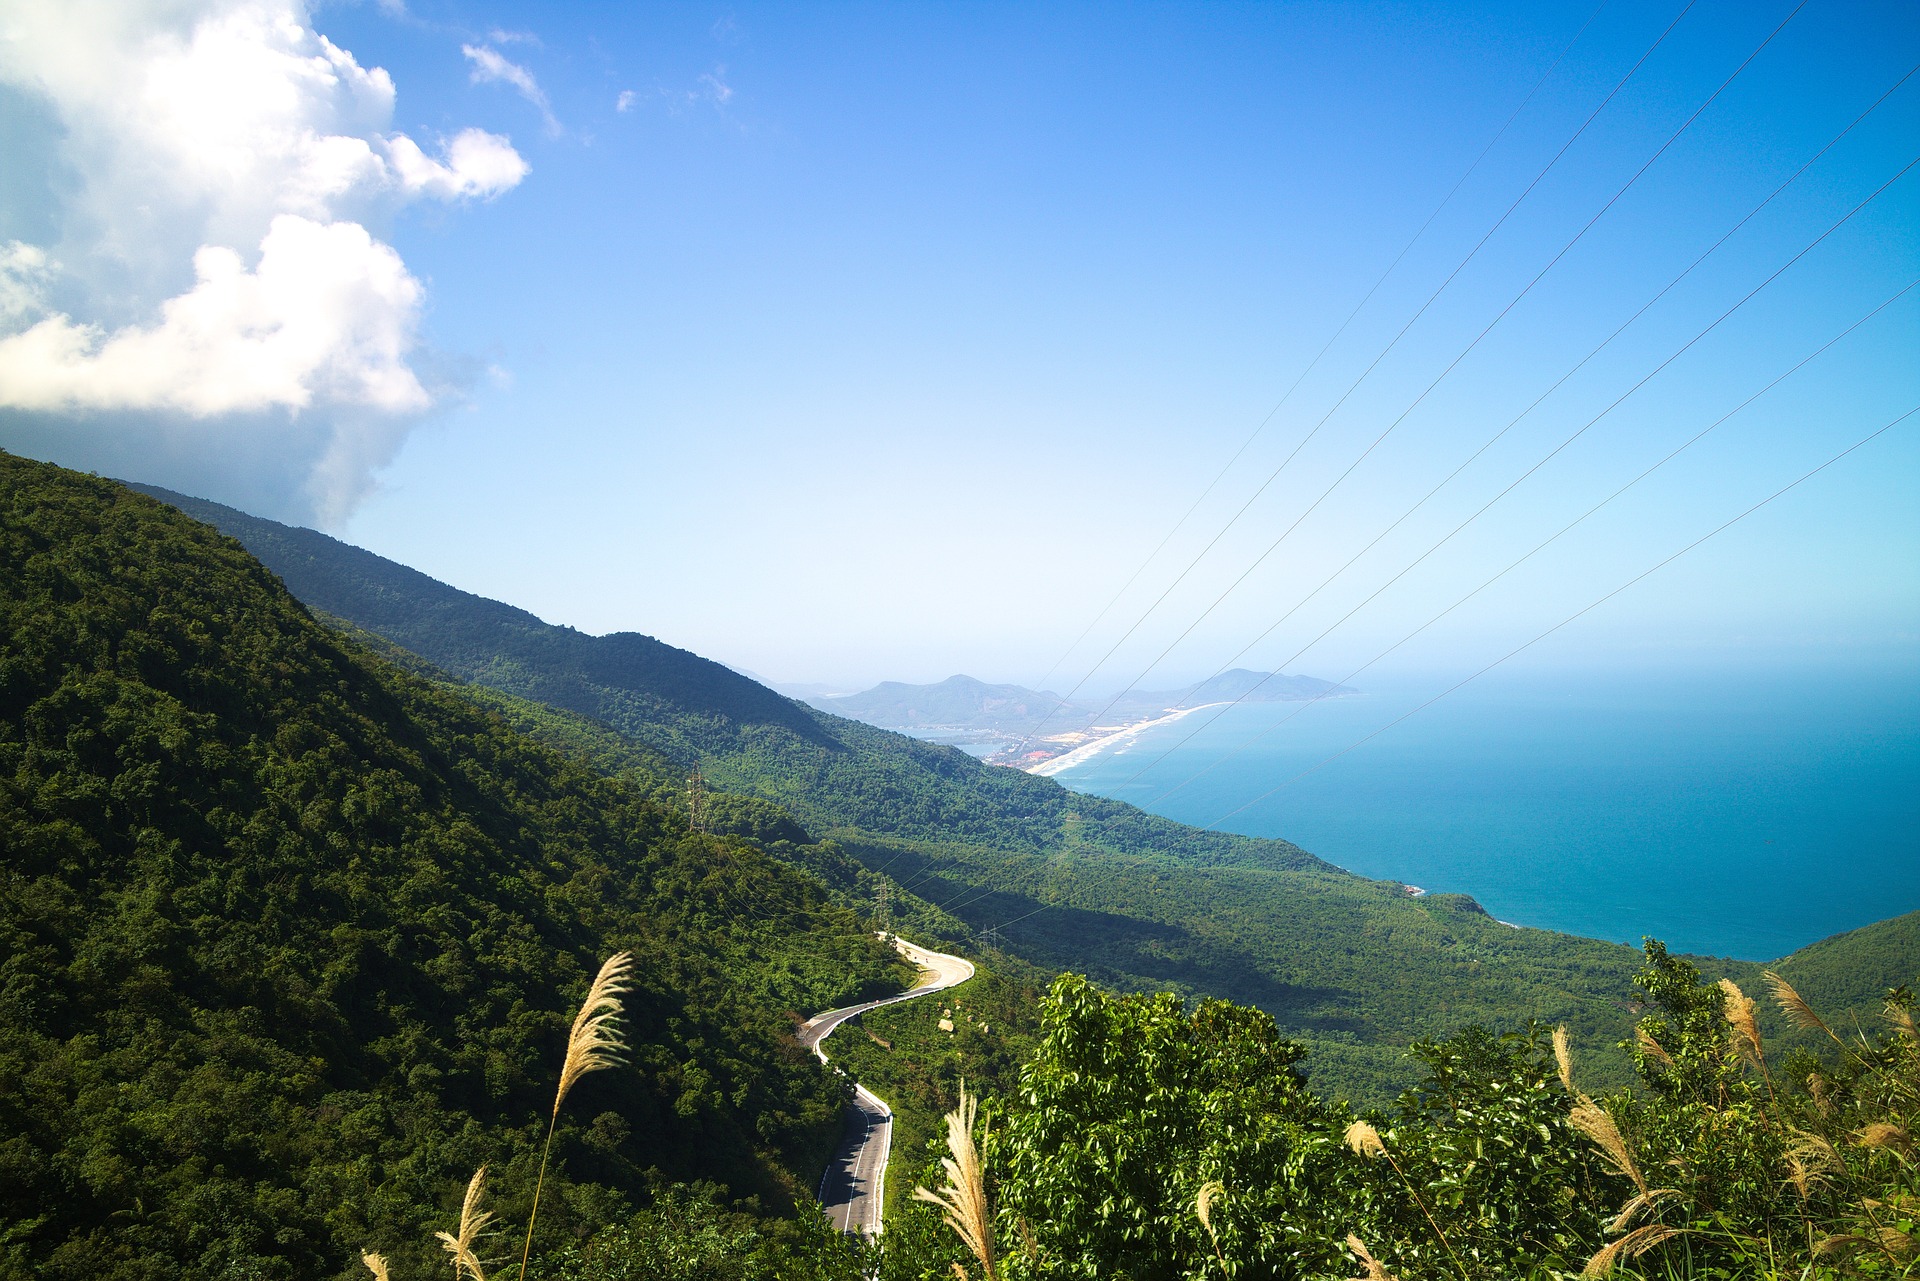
{"x":854,"y":1185}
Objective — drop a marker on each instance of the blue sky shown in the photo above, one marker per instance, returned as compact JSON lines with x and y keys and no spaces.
{"x":852,"y":342}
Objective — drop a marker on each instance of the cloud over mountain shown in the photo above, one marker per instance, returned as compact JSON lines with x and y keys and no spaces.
{"x":215,"y":265}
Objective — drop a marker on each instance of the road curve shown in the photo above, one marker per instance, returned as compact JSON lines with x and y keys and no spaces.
{"x":854,"y":1185}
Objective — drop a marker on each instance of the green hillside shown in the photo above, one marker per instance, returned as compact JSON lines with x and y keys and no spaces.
{"x":1846,"y":976}
{"x":1355,"y":968}
{"x":289,"y":936}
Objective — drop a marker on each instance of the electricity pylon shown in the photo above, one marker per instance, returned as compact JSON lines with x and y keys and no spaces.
{"x":696,"y":801}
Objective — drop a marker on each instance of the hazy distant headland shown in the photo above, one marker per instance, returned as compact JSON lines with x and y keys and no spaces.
{"x":1037,"y":730}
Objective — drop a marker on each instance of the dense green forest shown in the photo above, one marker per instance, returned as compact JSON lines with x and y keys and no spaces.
{"x":292,"y":921}
{"x":1152,"y":1140}
{"x":289,"y":937}
{"x":1353,"y":968}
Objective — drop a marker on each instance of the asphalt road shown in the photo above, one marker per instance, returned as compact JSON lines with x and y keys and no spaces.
{"x":853,"y":1187}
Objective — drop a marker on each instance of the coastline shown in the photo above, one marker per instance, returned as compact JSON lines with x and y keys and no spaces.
{"x":1087,"y":751}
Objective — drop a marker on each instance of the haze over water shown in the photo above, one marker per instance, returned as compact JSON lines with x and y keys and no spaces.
{"x":1745,"y":814}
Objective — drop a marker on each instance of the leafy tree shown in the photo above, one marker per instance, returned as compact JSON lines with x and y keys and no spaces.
{"x":1128,"y":1108}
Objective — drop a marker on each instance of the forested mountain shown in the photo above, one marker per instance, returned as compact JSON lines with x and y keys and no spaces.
{"x":289,"y":937}
{"x":1354,"y":968}
{"x":831,"y":772}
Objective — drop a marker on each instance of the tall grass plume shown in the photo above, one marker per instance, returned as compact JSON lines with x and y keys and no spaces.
{"x":1212,"y":1192}
{"x":473,"y":1221}
{"x":964,"y":1198}
{"x":1563,"y":1056}
{"x":1630,"y":1246}
{"x":1593,"y":1121}
{"x":593,"y":1044}
{"x":1739,"y":1015}
{"x":1651,"y":1048}
{"x":1366,"y":1142}
{"x":1376,"y":1270}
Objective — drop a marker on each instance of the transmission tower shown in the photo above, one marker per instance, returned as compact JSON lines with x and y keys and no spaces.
{"x":882,"y":916}
{"x":696,"y":801}
{"x":991,"y":938}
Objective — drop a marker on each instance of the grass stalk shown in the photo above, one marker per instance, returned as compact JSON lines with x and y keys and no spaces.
{"x":1366,"y":1142}
{"x":592,"y":1044}
{"x":964,"y":1198}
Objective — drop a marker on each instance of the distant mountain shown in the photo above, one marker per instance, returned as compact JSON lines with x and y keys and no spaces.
{"x":961,"y":703}
{"x":957,"y":703}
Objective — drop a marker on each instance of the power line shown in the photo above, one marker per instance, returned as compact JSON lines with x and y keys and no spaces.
{"x":1577,"y":614}
{"x":1328,"y":345}
{"x":1499,"y":435}
{"x":1538,"y":547}
{"x":1016,"y":920}
{"x":1431,"y":299}
{"x":924,"y":874}
{"x":1698,"y":436}
{"x":1454,"y":364}
{"x":975,"y":898}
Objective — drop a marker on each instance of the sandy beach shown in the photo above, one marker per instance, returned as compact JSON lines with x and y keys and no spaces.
{"x":1087,"y":751}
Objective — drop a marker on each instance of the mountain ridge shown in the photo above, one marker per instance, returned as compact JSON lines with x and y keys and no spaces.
{"x":289,"y":935}
{"x":1354,"y":968}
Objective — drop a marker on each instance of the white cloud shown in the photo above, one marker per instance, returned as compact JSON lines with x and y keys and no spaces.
{"x":477,"y":163}
{"x":625,"y":101}
{"x":717,"y":87}
{"x":327,"y":315}
{"x":23,"y":274}
{"x":490,"y":67}
{"x":224,"y":163}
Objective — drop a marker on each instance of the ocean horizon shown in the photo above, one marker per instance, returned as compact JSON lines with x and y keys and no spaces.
{"x":1739,"y":813}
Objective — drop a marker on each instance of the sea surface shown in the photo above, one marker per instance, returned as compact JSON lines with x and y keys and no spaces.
{"x":1741,"y":814}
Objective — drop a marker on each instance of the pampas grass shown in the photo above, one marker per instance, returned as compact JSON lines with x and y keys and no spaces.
{"x":592,"y":1044}
{"x":1902,"y":1019}
{"x":1593,"y":1121}
{"x":1641,"y":1202}
{"x":964,"y":1198}
{"x":1630,"y":1246}
{"x":1809,"y":1158}
{"x":376,"y":1264}
{"x":1376,"y":1270}
{"x":1211,"y":1192}
{"x":1367,"y":1143}
{"x":473,"y":1221}
{"x":1739,"y":1014}
{"x":1650,"y":1047}
{"x":1563,"y":1056}
{"x":1798,"y":1012}
{"x":1884,"y":1134}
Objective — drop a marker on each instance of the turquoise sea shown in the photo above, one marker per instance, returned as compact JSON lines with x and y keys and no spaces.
{"x":1741,"y":814}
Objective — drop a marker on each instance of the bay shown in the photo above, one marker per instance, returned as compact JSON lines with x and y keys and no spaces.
{"x":1730,"y":813}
